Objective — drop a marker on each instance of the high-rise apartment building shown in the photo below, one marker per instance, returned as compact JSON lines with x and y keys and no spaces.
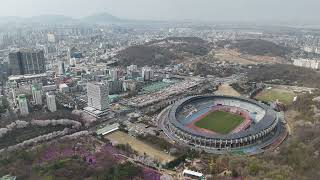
{"x":37,"y":93}
{"x":26,"y":61}
{"x":98,"y":95}
{"x":23,"y":105}
{"x":115,"y":74}
{"x":51,"y":102}
{"x":61,"y":68}
{"x":147,"y":73}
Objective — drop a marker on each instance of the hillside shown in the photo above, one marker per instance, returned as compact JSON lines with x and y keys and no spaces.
{"x":145,"y":55}
{"x":163,"y":52}
{"x":260,"y":48}
{"x":285,"y":74}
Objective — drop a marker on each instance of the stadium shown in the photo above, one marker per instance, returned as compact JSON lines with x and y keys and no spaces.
{"x":217,"y":124}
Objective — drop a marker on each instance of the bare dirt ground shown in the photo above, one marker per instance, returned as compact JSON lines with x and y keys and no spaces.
{"x":139,"y":146}
{"x":227,"y":90}
{"x":234,"y":56}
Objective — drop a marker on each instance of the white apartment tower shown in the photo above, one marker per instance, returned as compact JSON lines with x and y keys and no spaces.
{"x":147,"y":73}
{"x":132,"y":68}
{"x":115,"y":74}
{"x":98,"y":95}
{"x":51,"y":102}
{"x":37,"y":94}
{"x":23,"y":105}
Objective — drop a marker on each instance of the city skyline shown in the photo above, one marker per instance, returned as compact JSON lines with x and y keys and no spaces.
{"x":205,"y":10}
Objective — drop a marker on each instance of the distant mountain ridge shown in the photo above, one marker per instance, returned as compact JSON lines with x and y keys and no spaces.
{"x":102,"y":17}
{"x":56,"y":19}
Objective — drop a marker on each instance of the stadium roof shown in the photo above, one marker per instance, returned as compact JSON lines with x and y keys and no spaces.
{"x":269,"y":118}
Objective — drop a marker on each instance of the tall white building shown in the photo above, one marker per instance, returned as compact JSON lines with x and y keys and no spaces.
{"x":132,"y":68}
{"x":147,"y":73}
{"x":73,"y":61}
{"x":37,"y":94}
{"x":23,"y":105}
{"x":51,"y":37}
{"x":51,"y":102}
{"x":98,"y":95}
{"x":132,"y":71}
{"x":115,"y":74}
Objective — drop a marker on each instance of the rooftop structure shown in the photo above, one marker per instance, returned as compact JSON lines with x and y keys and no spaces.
{"x":108,"y":129}
{"x":26,"y":77}
{"x":192,"y":173}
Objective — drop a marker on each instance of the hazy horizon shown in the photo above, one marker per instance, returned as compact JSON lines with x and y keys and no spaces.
{"x":205,"y":10}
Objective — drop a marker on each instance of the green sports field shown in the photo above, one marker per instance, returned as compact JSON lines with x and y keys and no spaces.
{"x":220,"y":122}
{"x":284,"y":96}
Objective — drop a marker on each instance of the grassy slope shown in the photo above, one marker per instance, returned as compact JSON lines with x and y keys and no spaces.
{"x":220,"y":122}
{"x":283,"y":96}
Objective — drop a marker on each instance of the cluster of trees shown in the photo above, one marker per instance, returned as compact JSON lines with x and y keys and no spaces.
{"x":143,"y":55}
{"x":36,"y":140}
{"x":27,"y":164}
{"x":260,"y":47}
{"x":156,"y":141}
{"x":124,"y":171}
{"x":181,"y":45}
{"x":285,"y":74}
{"x":305,"y":106}
{"x":22,"y":133}
{"x":190,"y":154}
{"x":42,"y":123}
{"x":170,"y":49}
{"x":247,"y":168}
{"x":203,"y":69}
{"x":126,"y":148}
{"x":61,"y":114}
{"x":4,"y":106}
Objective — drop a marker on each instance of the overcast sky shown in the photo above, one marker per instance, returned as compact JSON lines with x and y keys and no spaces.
{"x":207,"y":10}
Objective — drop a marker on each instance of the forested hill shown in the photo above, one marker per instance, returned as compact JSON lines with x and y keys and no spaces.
{"x":260,"y":47}
{"x":163,"y":52}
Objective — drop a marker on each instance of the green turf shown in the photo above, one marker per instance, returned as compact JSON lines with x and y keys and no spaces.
{"x":283,"y":96}
{"x":220,"y":122}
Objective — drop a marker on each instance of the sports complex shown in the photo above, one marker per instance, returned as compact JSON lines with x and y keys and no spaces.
{"x":217,"y":124}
